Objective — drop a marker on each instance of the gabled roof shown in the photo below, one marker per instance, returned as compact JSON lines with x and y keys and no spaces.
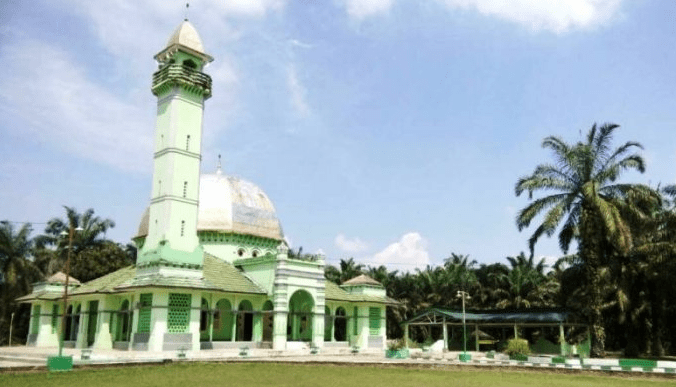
{"x":333,"y":292}
{"x":362,"y":280}
{"x":60,"y":278}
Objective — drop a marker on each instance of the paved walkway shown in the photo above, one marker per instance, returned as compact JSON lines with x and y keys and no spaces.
{"x":23,"y":358}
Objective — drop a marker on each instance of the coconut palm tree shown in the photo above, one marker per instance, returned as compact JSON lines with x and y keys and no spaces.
{"x":586,"y":206}
{"x":17,"y":273}
{"x":51,"y":246}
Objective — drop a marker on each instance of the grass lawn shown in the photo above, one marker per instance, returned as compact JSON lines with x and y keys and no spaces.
{"x":262,"y":374}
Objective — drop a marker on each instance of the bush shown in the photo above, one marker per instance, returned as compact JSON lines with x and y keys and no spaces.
{"x":517,"y":347}
{"x":396,"y":345}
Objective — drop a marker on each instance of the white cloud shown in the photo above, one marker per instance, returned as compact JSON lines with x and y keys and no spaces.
{"x":297,"y":92}
{"x":361,"y":9}
{"x":62,"y":107}
{"x":558,"y":16}
{"x":409,"y":253}
{"x":350,"y":245}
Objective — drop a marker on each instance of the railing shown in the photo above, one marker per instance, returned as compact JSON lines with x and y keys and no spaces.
{"x":177,"y":73}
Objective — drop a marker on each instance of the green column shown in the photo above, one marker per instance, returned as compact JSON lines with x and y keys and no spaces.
{"x":406,"y":336}
{"x":476,"y":337}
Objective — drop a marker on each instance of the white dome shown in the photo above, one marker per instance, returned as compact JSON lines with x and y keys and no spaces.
{"x":231,"y":204}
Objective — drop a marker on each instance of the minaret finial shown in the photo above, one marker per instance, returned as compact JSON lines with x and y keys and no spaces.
{"x":218,"y":167}
{"x":187,"y":6}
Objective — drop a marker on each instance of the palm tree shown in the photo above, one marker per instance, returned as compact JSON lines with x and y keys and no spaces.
{"x":587,"y":196}
{"x":526,"y":284}
{"x":92,"y":236}
{"x":17,"y":273}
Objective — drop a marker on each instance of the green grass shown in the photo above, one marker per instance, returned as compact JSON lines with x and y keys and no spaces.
{"x":261,"y":374}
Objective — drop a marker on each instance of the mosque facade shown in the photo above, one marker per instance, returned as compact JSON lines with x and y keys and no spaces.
{"x":213,"y":269}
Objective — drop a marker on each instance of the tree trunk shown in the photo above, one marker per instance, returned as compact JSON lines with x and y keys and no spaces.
{"x":591,"y":239}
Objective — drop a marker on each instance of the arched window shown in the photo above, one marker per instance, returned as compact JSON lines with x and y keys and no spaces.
{"x":185,"y":188}
{"x":182,"y":227}
{"x":187,"y":143}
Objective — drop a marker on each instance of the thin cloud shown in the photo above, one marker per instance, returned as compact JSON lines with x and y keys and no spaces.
{"x":350,"y":245}
{"x":537,"y":15}
{"x":297,"y":92}
{"x":61,"y":106}
{"x":362,"y":9}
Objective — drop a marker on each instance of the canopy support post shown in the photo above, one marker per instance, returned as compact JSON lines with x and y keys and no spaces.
{"x":406,"y":335}
{"x":562,"y":340}
{"x":445,"y":330}
{"x":476,"y":337}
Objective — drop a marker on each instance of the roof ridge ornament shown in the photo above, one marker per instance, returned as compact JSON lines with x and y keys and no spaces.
{"x":187,"y":7}
{"x":219,"y":171}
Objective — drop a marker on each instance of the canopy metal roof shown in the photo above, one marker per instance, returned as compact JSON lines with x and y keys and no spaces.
{"x":533,"y":316}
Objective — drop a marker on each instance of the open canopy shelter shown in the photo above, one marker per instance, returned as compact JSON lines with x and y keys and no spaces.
{"x":537,"y":318}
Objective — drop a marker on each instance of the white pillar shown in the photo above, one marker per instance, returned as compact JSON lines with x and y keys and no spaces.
{"x":158,"y":321}
{"x":279,"y":330}
{"x":445,"y":330}
{"x":103,"y":339}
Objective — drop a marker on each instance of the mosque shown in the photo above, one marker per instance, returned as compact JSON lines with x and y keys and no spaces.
{"x":213,"y":270}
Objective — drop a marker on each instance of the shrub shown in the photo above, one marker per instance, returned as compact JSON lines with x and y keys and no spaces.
{"x":517,"y":347}
{"x":396,"y":345}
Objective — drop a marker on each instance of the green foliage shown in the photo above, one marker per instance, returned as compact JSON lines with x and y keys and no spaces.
{"x":517,"y":347}
{"x":395,"y":345}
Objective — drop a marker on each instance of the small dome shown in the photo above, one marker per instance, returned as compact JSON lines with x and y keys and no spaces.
{"x":231,"y":204}
{"x":186,"y":35}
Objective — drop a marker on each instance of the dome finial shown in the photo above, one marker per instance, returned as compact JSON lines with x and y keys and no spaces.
{"x":187,"y":6}
{"x":218,"y":167}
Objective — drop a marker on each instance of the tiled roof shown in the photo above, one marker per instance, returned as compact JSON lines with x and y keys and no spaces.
{"x":335,"y":293}
{"x":362,"y":280}
{"x":42,"y":295}
{"x":228,"y":278}
{"x":60,"y":278}
{"x":107,"y":283}
{"x":218,"y":276}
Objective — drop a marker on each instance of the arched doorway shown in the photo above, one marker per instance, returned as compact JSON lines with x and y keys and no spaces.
{"x":123,"y":321}
{"x":245,"y":321}
{"x":205,"y":320}
{"x":301,"y":306}
{"x":328,"y":323}
{"x":69,"y":323}
{"x":340,"y":325}
{"x":223,"y":320}
{"x":268,"y":320}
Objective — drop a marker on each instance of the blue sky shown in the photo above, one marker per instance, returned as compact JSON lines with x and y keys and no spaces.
{"x":392,"y":131}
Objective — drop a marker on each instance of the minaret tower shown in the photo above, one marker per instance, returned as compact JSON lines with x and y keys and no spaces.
{"x":181,"y":89}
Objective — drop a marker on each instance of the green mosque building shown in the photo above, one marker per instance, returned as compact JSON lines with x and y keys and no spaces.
{"x":213,"y":270}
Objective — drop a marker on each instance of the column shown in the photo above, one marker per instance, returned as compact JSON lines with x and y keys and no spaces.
{"x":133,"y":321}
{"x":445,"y":330}
{"x":406,"y":335}
{"x":158,"y":321}
{"x":476,"y":337}
{"x":194,"y":324}
{"x":103,"y":339}
{"x":279,"y":330}
{"x":516,"y":332}
{"x":562,"y":339}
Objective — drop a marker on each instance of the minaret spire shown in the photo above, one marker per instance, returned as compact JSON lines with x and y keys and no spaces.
{"x":187,"y":7}
{"x":219,"y":171}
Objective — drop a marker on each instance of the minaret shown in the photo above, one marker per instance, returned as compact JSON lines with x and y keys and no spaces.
{"x":181,"y":89}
